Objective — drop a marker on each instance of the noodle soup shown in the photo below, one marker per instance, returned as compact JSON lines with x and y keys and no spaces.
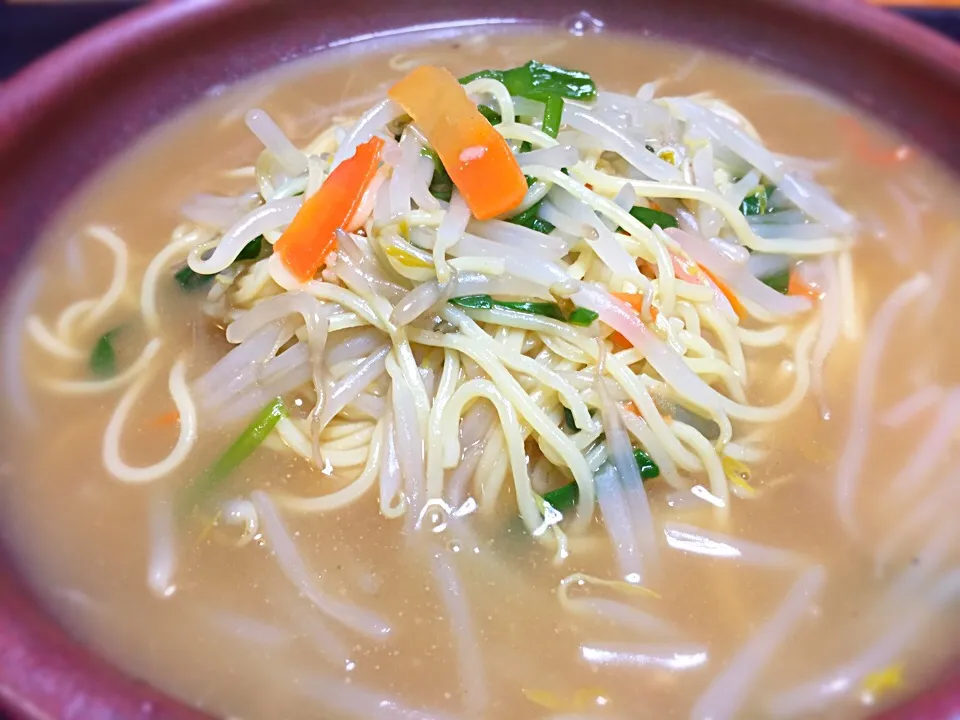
{"x":344,"y":395}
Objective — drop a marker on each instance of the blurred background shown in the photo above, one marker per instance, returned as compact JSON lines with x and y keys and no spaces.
{"x":29,"y":28}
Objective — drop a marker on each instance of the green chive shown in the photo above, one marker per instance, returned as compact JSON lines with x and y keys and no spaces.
{"x":579,"y":316}
{"x":530,"y":218}
{"x":648,"y":468}
{"x":103,"y":357}
{"x":758,"y":201}
{"x":538,"y":81}
{"x":552,"y":113}
{"x":473,"y":302}
{"x":491,"y":74}
{"x":190,"y":281}
{"x":582,"y":316}
{"x":563,"y":498}
{"x":545,"y":309}
{"x":778,"y":281}
{"x":441,"y":186}
{"x":251,"y":251}
{"x":651,"y":217}
{"x":566,"y":497}
{"x":492,"y":116}
{"x":248,"y":441}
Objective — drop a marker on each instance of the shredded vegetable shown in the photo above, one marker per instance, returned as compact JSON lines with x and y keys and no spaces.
{"x":757,"y":202}
{"x":566,"y":496}
{"x":651,"y":217}
{"x":476,"y":156}
{"x":103,"y":357}
{"x":578,"y":315}
{"x":530,"y":218}
{"x":311,"y":237}
{"x":248,"y":441}
{"x":779,"y":281}
{"x":552,"y":113}
{"x":539,"y":81}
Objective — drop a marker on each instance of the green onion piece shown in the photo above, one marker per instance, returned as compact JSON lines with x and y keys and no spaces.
{"x":492,"y":74}
{"x":538,"y":81}
{"x":190,"y":281}
{"x":473,"y":302}
{"x":757,"y":202}
{"x":248,"y":441}
{"x":525,"y":147}
{"x":103,"y":357}
{"x":563,"y":498}
{"x":648,"y":468}
{"x":778,"y":281}
{"x":545,"y":309}
{"x":530,"y":218}
{"x":568,"y":418}
{"x":582,"y":316}
{"x":441,"y":186}
{"x":651,"y":217}
{"x":553,"y":111}
{"x":579,"y":316}
{"x":251,"y":251}
{"x":492,"y":116}
{"x":566,"y":497}
{"x":541,"y":226}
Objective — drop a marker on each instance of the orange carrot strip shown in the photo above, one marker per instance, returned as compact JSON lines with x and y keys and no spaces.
{"x":690,"y":271}
{"x":727,"y":293}
{"x":635,"y":300}
{"x":620,"y":342}
{"x":475,"y":155}
{"x":311,"y":237}
{"x":797,"y":286}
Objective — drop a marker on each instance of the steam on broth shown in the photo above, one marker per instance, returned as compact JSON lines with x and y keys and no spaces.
{"x":659,"y":423}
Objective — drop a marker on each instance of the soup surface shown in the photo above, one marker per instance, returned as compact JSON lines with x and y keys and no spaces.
{"x":794,"y":563}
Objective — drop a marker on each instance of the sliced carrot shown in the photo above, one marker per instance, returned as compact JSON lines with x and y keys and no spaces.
{"x":798,"y":286}
{"x":474,"y":154}
{"x":690,"y":271}
{"x":635,"y":300}
{"x":620,"y":342}
{"x":727,"y":293}
{"x":311,"y":237}
{"x":647,"y":269}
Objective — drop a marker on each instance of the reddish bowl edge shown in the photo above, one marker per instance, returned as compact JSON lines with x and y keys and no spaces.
{"x":43,"y":672}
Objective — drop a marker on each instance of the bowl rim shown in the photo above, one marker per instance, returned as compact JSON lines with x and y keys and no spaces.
{"x":26,"y":92}
{"x":33,"y":91}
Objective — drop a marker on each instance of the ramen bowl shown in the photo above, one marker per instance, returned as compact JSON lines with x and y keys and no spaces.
{"x":69,"y":114}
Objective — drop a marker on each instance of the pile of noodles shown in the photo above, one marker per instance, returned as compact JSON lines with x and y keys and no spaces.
{"x":427,"y":403}
{"x":414,"y":397}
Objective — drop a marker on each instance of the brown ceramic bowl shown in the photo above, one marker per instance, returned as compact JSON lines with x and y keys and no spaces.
{"x":64,"y":116}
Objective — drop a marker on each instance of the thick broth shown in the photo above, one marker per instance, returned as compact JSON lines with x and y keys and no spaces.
{"x":235,"y":639}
